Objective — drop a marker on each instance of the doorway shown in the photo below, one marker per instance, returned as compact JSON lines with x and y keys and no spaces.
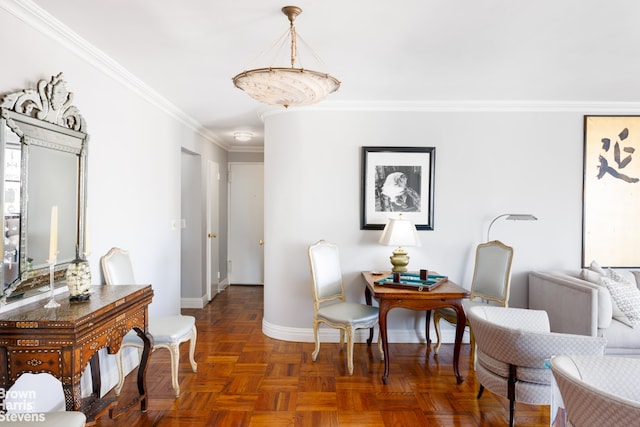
{"x":190,"y":226}
{"x":246,"y":224}
{"x":212,"y":247}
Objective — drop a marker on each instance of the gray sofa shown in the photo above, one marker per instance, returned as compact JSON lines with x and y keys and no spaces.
{"x":577,"y":304}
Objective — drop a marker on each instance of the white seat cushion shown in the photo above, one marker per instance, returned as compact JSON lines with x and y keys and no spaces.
{"x":166,"y":329}
{"x":349,"y":313}
{"x":170,"y":328}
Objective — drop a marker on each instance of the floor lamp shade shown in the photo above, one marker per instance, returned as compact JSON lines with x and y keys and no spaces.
{"x":399,"y":232}
{"x":510,"y":217}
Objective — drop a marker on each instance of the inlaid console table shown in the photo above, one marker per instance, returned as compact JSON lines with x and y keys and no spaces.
{"x":62,"y":341}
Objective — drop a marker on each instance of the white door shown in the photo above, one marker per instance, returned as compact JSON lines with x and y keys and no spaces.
{"x":213,"y":204}
{"x":246,"y":223}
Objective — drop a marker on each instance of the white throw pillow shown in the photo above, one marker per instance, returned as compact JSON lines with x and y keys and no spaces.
{"x":618,"y":314}
{"x":591,"y":276}
{"x":596,"y":267}
{"x":626,"y":297}
{"x":626,"y":275}
{"x":605,"y":304}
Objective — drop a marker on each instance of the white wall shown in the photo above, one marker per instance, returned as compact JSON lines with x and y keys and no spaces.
{"x":134,"y":164}
{"x":487,"y":163}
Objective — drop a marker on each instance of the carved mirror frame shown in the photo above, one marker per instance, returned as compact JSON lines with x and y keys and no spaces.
{"x":42,"y":118}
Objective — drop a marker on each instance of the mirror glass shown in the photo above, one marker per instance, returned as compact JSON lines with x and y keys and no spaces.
{"x":52,"y":181}
{"x":44,"y":150}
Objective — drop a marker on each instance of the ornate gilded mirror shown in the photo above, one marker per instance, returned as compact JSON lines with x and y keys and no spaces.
{"x":44,"y":163}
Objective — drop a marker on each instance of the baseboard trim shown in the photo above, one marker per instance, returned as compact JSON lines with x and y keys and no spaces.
{"x":193,"y":302}
{"x":285,"y":333}
{"x":202,"y":301}
{"x":224,"y":284}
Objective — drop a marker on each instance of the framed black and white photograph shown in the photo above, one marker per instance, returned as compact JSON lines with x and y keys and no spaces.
{"x":397,"y":180}
{"x":611,"y":193}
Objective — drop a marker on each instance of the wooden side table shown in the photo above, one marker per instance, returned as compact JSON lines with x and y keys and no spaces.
{"x":62,"y":341}
{"x":446,"y":295}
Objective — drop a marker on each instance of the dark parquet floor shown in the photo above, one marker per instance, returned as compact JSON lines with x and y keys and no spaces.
{"x":245,"y":378}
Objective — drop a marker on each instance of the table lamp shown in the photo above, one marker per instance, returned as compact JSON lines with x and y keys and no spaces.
{"x":399,"y":232}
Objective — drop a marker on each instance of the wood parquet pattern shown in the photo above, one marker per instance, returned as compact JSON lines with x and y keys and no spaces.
{"x":245,"y":378}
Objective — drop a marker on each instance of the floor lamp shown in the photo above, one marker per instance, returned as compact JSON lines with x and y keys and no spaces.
{"x":510,"y":217}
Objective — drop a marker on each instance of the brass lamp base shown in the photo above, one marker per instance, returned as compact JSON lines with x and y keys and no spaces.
{"x":399,"y":260}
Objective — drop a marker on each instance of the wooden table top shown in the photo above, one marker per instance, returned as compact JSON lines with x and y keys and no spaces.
{"x":103,"y":298}
{"x":446,"y":290}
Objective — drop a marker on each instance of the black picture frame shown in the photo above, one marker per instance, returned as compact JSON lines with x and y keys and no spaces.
{"x":397,"y":180}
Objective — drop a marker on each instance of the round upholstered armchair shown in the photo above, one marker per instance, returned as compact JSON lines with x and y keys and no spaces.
{"x":514,"y":347}
{"x":599,"y":390}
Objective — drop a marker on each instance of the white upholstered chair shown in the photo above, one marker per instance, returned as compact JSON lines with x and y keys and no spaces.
{"x":490,"y":285}
{"x":599,"y":390}
{"x":167,"y":331}
{"x":46,"y":408}
{"x":329,"y":305}
{"x":513,"y":347}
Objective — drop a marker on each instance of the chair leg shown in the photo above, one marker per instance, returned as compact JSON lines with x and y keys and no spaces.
{"x":474,"y":350}
{"x":174,"y":350}
{"x":512,"y":409}
{"x":349,"y":334}
{"x":192,"y":349}
{"x":119,"y":363}
{"x":427,"y":322}
{"x":314,"y":355}
{"x":436,"y":325}
{"x":511,"y":392}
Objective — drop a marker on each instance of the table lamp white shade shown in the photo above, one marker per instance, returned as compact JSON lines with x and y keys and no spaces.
{"x":399,"y":232}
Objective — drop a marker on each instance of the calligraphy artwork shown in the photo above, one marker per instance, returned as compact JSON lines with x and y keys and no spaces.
{"x":611,"y":193}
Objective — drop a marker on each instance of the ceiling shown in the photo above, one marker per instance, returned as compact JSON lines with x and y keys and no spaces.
{"x":402,"y":54}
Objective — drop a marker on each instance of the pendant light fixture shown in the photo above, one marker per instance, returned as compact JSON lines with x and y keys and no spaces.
{"x":287,"y":86}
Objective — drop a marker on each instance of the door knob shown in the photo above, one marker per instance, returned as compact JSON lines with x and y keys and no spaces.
{"x":261,"y":242}
{"x":212,"y":235}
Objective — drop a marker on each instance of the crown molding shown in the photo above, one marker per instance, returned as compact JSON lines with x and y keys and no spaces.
{"x":246,"y":149}
{"x":444,"y":106}
{"x":41,"y":20}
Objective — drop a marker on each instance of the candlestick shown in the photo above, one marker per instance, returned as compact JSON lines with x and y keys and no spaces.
{"x":53,"y":240}
{"x":52,"y":301}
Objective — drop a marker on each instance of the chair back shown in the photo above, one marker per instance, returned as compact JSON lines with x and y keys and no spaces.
{"x":117,"y":268}
{"x":511,"y":335}
{"x":492,"y":272}
{"x":599,"y":390}
{"x":326,"y":274}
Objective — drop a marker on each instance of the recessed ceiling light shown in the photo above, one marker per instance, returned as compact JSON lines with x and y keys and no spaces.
{"x":243,"y":136}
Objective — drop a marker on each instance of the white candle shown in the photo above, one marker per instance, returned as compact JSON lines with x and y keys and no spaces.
{"x":53,"y":242}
